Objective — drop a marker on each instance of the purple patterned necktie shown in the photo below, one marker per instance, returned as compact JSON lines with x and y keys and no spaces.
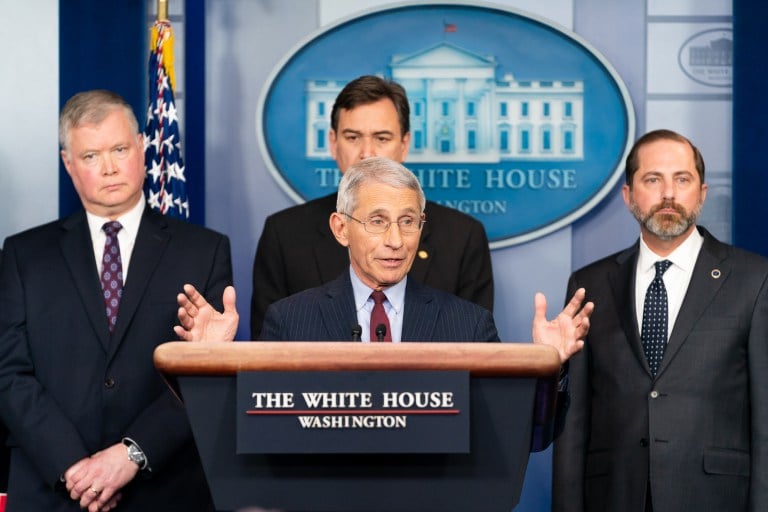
{"x":112,"y":272}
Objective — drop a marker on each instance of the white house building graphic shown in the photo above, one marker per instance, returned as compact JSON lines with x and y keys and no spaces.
{"x":461,"y":111}
{"x":516,"y":122}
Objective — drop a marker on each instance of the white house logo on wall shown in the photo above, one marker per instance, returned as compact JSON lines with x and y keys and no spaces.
{"x":707,"y":57}
{"x":514,"y":120}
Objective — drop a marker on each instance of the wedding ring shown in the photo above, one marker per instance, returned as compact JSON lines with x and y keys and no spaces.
{"x":94,"y":491}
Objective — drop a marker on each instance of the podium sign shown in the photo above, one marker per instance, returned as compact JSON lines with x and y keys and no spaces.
{"x":353,"y":412}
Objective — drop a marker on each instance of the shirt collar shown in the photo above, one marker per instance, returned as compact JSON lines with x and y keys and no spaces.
{"x":130,"y":220}
{"x":395,"y":294}
{"x":684,"y":256}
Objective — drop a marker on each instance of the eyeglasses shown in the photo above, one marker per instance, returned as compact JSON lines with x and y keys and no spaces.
{"x":378,"y":226}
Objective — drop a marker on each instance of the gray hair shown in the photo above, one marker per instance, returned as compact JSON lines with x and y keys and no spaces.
{"x":376,"y":169}
{"x":91,"y":107}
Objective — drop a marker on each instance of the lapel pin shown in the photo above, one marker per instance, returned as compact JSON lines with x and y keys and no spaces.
{"x":716,"y":273}
{"x":423,"y":254}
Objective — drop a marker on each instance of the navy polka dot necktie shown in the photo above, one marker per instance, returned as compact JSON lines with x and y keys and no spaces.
{"x":112,"y":272}
{"x":655,"y":318}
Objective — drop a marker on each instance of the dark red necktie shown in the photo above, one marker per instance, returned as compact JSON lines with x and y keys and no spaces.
{"x":112,"y":272}
{"x":380,"y":330}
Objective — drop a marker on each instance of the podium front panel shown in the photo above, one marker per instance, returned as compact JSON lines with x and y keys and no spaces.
{"x":488,"y":479}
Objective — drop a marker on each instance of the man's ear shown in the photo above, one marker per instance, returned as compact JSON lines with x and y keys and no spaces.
{"x":140,"y":146}
{"x":66,"y":161}
{"x":625,"y":194}
{"x":406,"y":144}
{"x":338,"y":225}
{"x":332,"y":143}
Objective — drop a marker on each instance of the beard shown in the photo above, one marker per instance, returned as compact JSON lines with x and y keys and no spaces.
{"x":666,"y":226}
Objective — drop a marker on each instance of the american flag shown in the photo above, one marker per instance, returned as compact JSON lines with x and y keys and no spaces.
{"x":166,"y":183}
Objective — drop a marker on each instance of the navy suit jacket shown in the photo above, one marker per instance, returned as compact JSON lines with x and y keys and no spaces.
{"x":327,"y":313}
{"x":698,"y":429}
{"x":68,"y":389}
{"x":298,"y":251}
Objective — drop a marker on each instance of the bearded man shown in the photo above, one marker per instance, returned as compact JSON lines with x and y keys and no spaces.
{"x":669,"y":397}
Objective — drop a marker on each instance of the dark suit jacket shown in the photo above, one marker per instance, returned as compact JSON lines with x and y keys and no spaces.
{"x":699,"y":430}
{"x":327,"y":313}
{"x":69,"y":389}
{"x":5,"y":453}
{"x":298,"y":251}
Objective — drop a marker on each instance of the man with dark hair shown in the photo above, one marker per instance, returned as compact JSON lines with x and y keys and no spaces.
{"x":369,"y":89}
{"x":297,"y":250}
{"x":669,"y":398}
{"x":84,"y":301}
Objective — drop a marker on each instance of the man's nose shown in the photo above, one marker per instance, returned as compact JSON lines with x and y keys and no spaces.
{"x":393,"y":237}
{"x":110,"y":166}
{"x":367,"y":150}
{"x":669,"y":189}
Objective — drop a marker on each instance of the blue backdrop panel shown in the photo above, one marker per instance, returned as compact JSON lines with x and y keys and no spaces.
{"x":193,"y":133}
{"x":750,"y":132}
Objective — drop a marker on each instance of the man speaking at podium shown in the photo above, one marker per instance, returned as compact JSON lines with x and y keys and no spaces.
{"x":378,"y":218}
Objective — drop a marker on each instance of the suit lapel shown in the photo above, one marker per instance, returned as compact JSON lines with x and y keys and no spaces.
{"x":337,"y":310}
{"x":623,"y":288}
{"x":421,"y":312}
{"x":76,"y":246}
{"x":151,"y":241}
{"x":701,"y":291}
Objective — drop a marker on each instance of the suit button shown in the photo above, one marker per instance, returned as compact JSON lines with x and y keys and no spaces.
{"x":109,"y":383}
{"x":643,"y":442}
{"x":654,"y":394}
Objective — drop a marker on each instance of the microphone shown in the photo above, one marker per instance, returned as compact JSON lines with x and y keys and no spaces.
{"x":356,"y":332}
{"x":381,"y":331}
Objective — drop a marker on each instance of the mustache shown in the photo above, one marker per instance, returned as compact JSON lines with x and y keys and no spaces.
{"x":668,"y":205}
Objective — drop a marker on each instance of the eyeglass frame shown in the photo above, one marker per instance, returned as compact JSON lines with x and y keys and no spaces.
{"x":421,"y":222}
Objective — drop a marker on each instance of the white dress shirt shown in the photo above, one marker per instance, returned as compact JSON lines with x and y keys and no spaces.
{"x":393,"y":306}
{"x":126,"y":237}
{"x":676,"y":278}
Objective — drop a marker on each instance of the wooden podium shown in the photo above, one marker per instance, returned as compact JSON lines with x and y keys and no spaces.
{"x":512,"y":395}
